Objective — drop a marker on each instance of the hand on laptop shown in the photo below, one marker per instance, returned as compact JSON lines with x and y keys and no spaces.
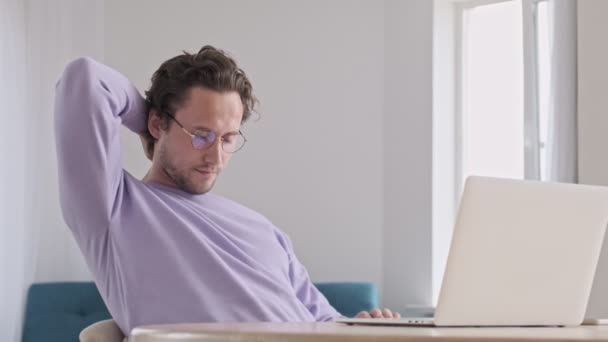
{"x":377,"y":313}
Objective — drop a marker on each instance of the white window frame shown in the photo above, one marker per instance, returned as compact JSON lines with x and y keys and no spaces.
{"x":531,"y":106}
{"x":447,"y":91}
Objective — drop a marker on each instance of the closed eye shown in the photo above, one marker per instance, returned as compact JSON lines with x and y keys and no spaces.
{"x":230,"y":137}
{"x":202,"y":133}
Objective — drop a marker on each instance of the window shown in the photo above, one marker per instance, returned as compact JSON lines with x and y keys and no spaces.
{"x":491,"y":67}
{"x":502,"y":58}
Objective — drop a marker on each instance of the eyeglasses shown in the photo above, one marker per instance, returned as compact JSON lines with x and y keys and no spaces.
{"x":231,"y":142}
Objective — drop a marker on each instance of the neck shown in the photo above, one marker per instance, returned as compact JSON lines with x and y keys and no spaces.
{"x":158,"y":175}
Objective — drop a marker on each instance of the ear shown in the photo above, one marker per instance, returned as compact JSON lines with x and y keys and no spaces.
{"x":155,"y":123}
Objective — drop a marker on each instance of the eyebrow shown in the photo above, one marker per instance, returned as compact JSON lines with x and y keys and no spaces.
{"x":203,"y":128}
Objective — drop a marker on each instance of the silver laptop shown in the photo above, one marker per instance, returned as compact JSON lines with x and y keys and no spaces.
{"x":523,"y":253}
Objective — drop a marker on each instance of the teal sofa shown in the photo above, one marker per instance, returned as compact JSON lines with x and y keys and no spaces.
{"x":57,"y":312}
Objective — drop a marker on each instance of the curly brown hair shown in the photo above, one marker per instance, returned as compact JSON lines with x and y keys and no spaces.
{"x":210,"y":68}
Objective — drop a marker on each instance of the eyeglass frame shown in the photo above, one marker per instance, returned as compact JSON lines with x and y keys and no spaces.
{"x":216,"y":136}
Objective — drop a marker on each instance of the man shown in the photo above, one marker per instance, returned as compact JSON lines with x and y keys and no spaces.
{"x":164,"y":249}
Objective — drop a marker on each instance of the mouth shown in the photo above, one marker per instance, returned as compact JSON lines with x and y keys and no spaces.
{"x":206,"y":171}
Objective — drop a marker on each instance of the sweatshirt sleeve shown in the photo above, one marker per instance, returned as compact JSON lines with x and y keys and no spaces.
{"x":305,"y":290}
{"x":91,"y":102}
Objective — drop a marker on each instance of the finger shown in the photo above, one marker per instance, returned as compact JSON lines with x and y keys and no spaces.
{"x":376,"y":313}
{"x":386,"y":313}
{"x":396,"y":315}
{"x":363,"y":314}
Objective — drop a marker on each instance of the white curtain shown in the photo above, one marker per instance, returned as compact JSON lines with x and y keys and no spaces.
{"x":37,"y":38}
{"x":562,"y":128}
{"x":14,"y":145}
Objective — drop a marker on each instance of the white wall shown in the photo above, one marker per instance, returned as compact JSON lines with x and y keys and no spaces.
{"x":593,"y":121}
{"x":357,"y":209}
{"x":341,"y":159}
{"x":62,"y":30}
{"x":314,"y":163}
{"x":445,"y":176}
{"x":38,"y":39}
{"x":408,"y":152}
{"x":328,"y":73}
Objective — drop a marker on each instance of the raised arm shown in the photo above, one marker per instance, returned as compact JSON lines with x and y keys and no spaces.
{"x":92,"y":101}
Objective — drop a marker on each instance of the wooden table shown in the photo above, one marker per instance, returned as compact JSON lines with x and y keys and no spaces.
{"x":336,"y":332}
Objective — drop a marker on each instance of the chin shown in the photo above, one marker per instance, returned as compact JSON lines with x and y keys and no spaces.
{"x":195,"y":190}
{"x":199,"y":189}
{"x":202,"y":191}
{"x":195,"y":185}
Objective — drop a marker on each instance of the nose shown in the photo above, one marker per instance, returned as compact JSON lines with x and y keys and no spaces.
{"x":214,"y":155}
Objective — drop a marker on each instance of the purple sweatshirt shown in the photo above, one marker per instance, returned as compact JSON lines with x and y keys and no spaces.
{"x":159,"y":254}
